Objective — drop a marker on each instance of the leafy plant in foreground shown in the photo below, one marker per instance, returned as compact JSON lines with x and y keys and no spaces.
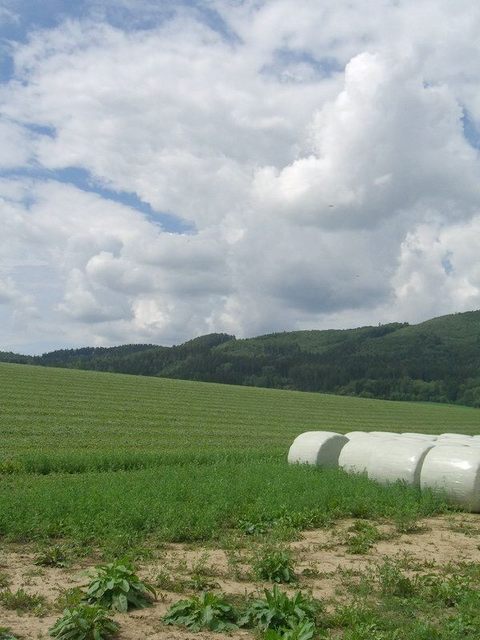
{"x":279,"y":611}
{"x":275,"y":565}
{"x":299,"y":631}
{"x":207,"y":611}
{"x":116,"y":586}
{"x":85,"y":622}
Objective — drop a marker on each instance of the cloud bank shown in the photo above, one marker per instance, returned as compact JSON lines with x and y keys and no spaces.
{"x":319,"y":168}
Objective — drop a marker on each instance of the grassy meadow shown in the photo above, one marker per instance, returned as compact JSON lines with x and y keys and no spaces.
{"x":116,"y":460}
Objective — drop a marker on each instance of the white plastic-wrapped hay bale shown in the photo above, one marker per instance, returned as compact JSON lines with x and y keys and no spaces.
{"x":384,"y":434}
{"x":355,"y":455}
{"x":320,"y":448}
{"x":419,"y":436}
{"x":357,"y":434}
{"x":400,"y":459}
{"x":459,"y":439}
{"x":455,"y":470}
{"x":454,"y":443}
{"x":454,"y":436}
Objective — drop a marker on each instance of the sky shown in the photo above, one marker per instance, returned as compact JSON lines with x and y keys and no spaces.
{"x":175,"y":168}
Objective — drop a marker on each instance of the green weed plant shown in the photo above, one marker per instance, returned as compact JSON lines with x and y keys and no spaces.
{"x":116,"y":586}
{"x":279,"y":611}
{"x":274,"y":564}
{"x":206,"y":611}
{"x":22,"y":601}
{"x":84,"y":622}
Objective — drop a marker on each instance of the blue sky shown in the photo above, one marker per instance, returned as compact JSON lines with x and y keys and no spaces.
{"x":25,"y":17}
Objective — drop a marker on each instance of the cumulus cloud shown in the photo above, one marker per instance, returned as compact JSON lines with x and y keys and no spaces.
{"x":440,"y":265}
{"x":320,"y":155}
{"x":385,"y":144}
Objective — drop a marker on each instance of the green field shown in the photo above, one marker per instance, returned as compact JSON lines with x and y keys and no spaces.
{"x":97,"y":456}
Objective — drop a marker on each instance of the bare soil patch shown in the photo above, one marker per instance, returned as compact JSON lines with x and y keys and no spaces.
{"x":321,"y":560}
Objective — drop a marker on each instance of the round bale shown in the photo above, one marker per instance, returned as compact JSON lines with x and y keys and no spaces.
{"x":398,"y":460}
{"x":357,"y":434}
{"x":419,"y":436}
{"x":457,"y":439}
{"x":454,"y":470}
{"x":355,"y":455}
{"x":320,"y":448}
{"x":384,"y":434}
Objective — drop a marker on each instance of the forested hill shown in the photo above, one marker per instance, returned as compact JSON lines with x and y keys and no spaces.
{"x":437,"y":360}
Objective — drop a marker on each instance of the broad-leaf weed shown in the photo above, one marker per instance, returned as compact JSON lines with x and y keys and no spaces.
{"x":274,"y":564}
{"x":279,"y":611}
{"x":85,"y":622}
{"x":207,"y":611}
{"x":116,"y":586}
{"x":298,"y":631}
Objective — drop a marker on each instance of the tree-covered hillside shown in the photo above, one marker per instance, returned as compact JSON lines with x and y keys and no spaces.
{"x":437,"y":360}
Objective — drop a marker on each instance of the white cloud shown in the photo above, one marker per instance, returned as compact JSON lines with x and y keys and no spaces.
{"x":17,"y":146}
{"x":386,"y":144}
{"x":439,"y":268}
{"x":319,"y":196}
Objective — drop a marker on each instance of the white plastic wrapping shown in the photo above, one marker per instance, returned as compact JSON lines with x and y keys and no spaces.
{"x":455,"y":443}
{"x":467,"y":440}
{"x":419,"y":436}
{"x":384,"y":434}
{"x":454,"y":470}
{"x":355,"y":455}
{"x":356,"y":434}
{"x":320,"y":448}
{"x":398,"y":460}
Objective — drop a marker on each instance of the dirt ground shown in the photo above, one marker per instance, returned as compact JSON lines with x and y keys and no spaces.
{"x":321,"y":561}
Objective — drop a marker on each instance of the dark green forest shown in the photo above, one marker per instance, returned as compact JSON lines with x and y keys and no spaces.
{"x":436,"y":361}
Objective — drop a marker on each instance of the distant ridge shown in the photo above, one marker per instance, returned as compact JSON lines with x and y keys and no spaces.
{"x":437,"y":360}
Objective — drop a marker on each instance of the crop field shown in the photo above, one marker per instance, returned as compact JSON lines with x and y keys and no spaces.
{"x":190,"y":482}
{"x":100,"y":457}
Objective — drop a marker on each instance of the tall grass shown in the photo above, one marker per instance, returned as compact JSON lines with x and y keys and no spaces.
{"x":193,"y":502}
